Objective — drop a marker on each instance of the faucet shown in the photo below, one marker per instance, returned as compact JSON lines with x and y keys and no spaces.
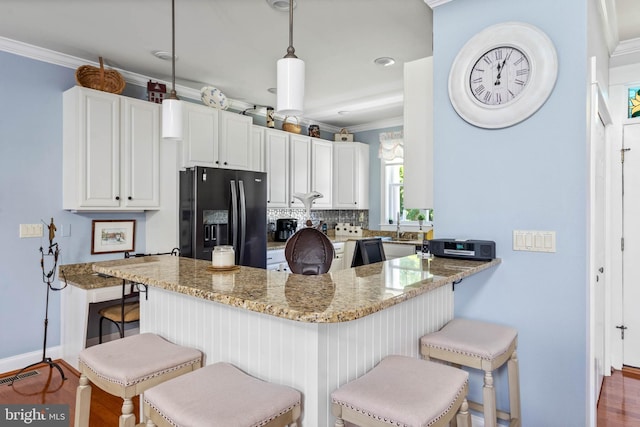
{"x":398,"y":227}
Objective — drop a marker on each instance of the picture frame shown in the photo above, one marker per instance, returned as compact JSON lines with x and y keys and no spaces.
{"x":112,"y":236}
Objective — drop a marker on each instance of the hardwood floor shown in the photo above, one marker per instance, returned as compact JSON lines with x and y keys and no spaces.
{"x":619,"y":404}
{"x":48,"y":387}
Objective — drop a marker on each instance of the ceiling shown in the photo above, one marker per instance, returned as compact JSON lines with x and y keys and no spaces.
{"x":234,"y":45}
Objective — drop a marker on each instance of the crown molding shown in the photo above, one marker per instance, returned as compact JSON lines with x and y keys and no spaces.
{"x":435,"y":3}
{"x":627,"y":47}
{"x":52,"y":57}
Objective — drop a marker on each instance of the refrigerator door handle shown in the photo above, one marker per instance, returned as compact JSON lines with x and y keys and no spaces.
{"x":243,"y":220}
{"x":234,"y":214}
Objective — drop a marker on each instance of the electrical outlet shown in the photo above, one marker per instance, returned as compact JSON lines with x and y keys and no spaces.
{"x":30,"y":230}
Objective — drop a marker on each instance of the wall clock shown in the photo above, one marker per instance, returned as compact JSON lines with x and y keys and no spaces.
{"x":503,"y":75}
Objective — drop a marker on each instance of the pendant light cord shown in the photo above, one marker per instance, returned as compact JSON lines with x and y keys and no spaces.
{"x":291,"y":51}
{"x":173,"y":94}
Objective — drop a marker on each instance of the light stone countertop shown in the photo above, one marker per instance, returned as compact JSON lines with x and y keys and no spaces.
{"x":340,"y":296}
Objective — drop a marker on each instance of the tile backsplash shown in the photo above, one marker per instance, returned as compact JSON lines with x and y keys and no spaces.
{"x":330,"y":217}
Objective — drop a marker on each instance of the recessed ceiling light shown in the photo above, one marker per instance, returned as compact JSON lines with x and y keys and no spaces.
{"x":162,"y":54}
{"x":272,"y":90}
{"x":280,"y":5}
{"x":385,"y":61}
{"x":344,"y":112}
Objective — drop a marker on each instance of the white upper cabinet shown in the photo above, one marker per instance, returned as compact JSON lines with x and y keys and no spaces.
{"x":277,"y":168}
{"x":418,"y":134}
{"x":234,"y":141}
{"x":199,"y":135}
{"x":300,"y":159}
{"x":111,"y":151}
{"x":351,"y":175}
{"x":257,"y":152}
{"x":215,"y":138}
{"x":322,"y":172}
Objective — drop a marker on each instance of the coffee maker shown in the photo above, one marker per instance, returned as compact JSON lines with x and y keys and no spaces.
{"x":285,"y":227}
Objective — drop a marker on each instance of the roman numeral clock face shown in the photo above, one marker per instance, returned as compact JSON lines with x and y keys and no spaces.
{"x":499,"y":76}
{"x":503,"y":75}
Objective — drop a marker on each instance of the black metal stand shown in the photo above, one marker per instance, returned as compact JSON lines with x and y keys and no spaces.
{"x":47,"y":278}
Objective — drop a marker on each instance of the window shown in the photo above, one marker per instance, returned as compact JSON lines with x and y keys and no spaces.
{"x":393,"y":196}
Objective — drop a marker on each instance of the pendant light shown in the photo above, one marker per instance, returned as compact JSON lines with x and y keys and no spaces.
{"x":290,"y":89}
{"x":172,"y":106}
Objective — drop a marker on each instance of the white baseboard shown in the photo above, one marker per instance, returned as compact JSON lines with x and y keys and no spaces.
{"x":19,"y":361}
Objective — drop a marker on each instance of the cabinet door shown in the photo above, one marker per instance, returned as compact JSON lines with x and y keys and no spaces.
{"x":344,"y":176}
{"x":92,"y":149}
{"x":300,"y":157}
{"x":257,"y":148}
{"x":362,"y":176}
{"x":235,"y":141}
{"x":321,"y":172}
{"x":140,"y":154}
{"x":200,"y":135}
{"x":277,"y":168}
{"x":418,"y":133}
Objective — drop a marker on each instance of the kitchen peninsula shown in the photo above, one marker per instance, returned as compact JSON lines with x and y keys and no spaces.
{"x":313,"y":333}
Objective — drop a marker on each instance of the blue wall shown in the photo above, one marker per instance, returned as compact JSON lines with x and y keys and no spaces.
{"x":31,"y":191}
{"x":534,"y":177}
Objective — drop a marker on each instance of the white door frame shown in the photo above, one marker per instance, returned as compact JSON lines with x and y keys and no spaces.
{"x":598,"y":112}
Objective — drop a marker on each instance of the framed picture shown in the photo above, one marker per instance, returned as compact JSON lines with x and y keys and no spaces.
{"x":110,"y":236}
{"x":633,"y":103}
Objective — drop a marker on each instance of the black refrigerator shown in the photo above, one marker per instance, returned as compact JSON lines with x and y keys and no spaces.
{"x":224,"y":207}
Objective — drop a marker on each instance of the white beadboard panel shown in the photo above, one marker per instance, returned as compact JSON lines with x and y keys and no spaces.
{"x":315,"y":358}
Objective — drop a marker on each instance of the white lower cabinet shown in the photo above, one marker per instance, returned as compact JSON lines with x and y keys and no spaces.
{"x":276,"y":260}
{"x":111,"y":152}
{"x":398,"y":250}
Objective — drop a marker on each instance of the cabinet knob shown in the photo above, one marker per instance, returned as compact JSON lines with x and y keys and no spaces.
{"x":355,"y":203}
{"x":217,"y":162}
{"x":117,"y":197}
{"x":225,"y":163}
{"x":130,"y":198}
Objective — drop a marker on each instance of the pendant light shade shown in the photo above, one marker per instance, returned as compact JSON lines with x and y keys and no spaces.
{"x":290,"y":70}
{"x":172,"y":106}
{"x":290,"y":89}
{"x":172,"y":119}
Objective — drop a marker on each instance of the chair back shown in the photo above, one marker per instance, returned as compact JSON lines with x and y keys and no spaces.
{"x":309,"y":251}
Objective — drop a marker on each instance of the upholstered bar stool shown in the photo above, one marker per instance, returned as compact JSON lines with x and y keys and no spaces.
{"x":480,"y":345}
{"x":221,"y":395}
{"x":404,"y":391}
{"x":126,"y":368}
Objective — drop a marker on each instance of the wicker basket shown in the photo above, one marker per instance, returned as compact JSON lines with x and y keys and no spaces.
{"x":100,"y":79}
{"x":291,"y":127}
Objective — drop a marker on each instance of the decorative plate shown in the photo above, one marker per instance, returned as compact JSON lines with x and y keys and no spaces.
{"x":213,"y":97}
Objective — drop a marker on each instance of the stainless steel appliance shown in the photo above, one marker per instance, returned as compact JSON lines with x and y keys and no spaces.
{"x":285,"y":227}
{"x":224,"y":207}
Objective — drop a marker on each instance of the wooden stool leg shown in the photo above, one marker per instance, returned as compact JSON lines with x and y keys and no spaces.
{"x":463,"y":417}
{"x":489,"y":400}
{"x":514,"y":386}
{"x":83,"y":402}
{"x":128,"y":418}
{"x":339,"y":422}
{"x":150,"y":424}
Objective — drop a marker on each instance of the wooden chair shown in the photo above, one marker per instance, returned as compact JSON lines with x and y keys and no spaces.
{"x":221,"y":395}
{"x":128,"y":367}
{"x":128,"y":310}
{"x":485,"y":346}
{"x":404,"y":391}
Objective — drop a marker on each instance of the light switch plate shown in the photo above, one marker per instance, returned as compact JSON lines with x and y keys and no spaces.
{"x":30,"y":230}
{"x":534,"y":241}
